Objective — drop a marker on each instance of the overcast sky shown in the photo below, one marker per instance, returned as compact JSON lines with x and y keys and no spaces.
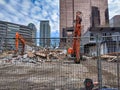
{"x":114,"y":7}
{"x":31,"y":11}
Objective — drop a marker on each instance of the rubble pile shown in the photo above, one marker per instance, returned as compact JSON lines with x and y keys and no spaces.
{"x":111,"y":57}
{"x":33,"y":56}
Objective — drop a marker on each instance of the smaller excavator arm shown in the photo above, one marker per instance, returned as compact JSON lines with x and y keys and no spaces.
{"x":17,"y":38}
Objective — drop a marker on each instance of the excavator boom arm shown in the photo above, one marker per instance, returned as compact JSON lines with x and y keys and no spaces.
{"x":75,"y":51}
{"x":17,"y":38}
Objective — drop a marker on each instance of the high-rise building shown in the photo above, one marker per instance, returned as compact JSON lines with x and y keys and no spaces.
{"x":44,"y":33}
{"x":7,"y":34}
{"x":94,"y":13}
{"x":34,"y":32}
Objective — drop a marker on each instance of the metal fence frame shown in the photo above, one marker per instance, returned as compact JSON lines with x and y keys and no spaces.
{"x":99,"y":64}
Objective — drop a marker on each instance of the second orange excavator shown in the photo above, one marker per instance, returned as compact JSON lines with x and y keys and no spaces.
{"x":17,"y":38}
{"x":75,"y":50}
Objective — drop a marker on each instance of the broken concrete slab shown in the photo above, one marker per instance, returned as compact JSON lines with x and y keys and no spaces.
{"x":30,"y":54}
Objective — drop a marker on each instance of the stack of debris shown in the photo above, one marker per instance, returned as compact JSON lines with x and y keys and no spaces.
{"x":111,"y":57}
{"x":33,"y":56}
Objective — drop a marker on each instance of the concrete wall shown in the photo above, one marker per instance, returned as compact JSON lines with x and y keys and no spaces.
{"x":68,"y":7}
{"x":115,"y":21}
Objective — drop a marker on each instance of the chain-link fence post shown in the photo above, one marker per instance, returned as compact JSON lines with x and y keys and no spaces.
{"x":99,"y":67}
{"x":118,"y":65}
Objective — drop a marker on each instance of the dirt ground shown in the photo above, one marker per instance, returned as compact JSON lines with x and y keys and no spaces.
{"x":55,"y":75}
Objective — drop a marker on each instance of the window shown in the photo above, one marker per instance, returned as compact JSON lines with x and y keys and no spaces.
{"x":92,"y":37}
{"x":95,"y":16}
{"x":104,"y":34}
{"x":106,"y":16}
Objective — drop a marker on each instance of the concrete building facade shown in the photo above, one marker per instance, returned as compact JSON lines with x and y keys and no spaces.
{"x":108,"y":39}
{"x":7,"y":34}
{"x":115,"y":21}
{"x":94,"y":13}
{"x":44,"y":33}
{"x":34,"y":32}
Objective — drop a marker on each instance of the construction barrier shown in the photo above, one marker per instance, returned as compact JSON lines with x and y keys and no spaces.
{"x":49,"y":65}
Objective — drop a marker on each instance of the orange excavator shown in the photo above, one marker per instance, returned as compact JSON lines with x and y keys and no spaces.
{"x":75,"y":50}
{"x":17,"y":38}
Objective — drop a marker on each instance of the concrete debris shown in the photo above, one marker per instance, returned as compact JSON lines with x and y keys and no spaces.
{"x":45,"y":55}
{"x":30,"y":54}
{"x":110,"y":57}
{"x":107,"y":56}
{"x":41,"y":54}
{"x":86,"y":57}
{"x":25,"y":55}
{"x":34,"y":56}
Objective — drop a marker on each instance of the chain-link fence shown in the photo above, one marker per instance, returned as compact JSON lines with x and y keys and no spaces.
{"x":100,"y":58}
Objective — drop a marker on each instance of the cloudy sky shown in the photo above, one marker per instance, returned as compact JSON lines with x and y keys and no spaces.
{"x":32,"y":11}
{"x":114,"y":7}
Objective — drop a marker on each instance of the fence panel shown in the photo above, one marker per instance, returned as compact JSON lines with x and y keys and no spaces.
{"x":57,"y":70}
